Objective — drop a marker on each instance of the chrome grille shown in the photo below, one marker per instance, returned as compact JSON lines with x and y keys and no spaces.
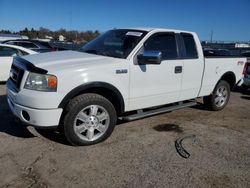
{"x":16,"y":75}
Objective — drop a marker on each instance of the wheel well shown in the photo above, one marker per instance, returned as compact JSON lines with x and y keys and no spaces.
{"x":108,"y":94}
{"x":230,"y":78}
{"x":106,"y":90}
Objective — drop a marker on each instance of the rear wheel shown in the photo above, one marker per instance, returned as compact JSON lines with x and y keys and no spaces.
{"x":90,"y":119}
{"x":219,"y":98}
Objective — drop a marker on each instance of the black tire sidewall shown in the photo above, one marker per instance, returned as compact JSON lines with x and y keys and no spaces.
{"x":92,"y":99}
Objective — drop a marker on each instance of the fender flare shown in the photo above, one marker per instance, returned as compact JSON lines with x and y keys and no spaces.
{"x":92,"y":85}
{"x":230,"y":77}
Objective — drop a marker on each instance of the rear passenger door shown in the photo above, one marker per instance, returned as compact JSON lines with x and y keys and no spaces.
{"x":152,"y":85}
{"x":192,"y":67}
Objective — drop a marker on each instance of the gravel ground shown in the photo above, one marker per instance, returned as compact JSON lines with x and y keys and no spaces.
{"x":138,"y":154}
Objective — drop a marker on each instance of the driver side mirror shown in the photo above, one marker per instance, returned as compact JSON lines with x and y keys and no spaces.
{"x":150,"y":57}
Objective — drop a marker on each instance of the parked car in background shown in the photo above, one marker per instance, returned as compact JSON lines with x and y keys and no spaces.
{"x":246,"y":78}
{"x":35,"y":45}
{"x":246,"y":73}
{"x":7,"y":52}
{"x":216,"y":52}
{"x":246,"y":54}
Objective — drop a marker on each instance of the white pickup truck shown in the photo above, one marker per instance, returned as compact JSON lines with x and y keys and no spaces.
{"x":124,"y":73}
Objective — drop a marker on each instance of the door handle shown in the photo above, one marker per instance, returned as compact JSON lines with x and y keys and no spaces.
{"x":178,"y":69}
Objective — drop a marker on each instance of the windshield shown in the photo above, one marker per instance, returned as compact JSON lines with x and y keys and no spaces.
{"x":115,"y":43}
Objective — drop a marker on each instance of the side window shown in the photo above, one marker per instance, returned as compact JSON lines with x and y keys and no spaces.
{"x":165,"y":43}
{"x":8,"y":52}
{"x":28,"y":45}
{"x":16,"y":43}
{"x":190,"y":46}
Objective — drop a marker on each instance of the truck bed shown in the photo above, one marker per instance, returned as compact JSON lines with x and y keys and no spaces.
{"x":216,"y":67}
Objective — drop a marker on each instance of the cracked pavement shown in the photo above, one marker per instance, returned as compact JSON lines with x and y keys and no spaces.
{"x":138,"y":154}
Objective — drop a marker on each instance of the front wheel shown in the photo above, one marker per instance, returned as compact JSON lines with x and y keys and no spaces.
{"x":219,"y":98}
{"x":89,"y":119}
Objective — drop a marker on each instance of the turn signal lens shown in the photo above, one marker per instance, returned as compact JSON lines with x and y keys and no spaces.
{"x":52,"y":81}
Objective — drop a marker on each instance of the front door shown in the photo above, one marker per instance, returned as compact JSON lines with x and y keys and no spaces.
{"x":153,"y":85}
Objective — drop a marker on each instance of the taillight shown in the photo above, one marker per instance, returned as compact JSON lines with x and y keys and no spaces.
{"x":53,"y":49}
{"x":244,"y":72}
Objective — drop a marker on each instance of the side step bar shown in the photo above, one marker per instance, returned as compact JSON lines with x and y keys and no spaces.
{"x":140,"y":114}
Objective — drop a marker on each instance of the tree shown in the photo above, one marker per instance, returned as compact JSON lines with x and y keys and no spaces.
{"x":72,"y":35}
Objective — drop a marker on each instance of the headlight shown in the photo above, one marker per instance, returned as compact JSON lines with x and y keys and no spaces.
{"x":41,"y":82}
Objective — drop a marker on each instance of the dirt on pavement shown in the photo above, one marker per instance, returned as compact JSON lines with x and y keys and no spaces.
{"x":138,"y":154}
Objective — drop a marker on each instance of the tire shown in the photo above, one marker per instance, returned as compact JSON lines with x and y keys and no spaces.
{"x":90,"y":119}
{"x":219,"y":98}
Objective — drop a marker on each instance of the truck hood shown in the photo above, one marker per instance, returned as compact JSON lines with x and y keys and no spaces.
{"x":64,"y":59}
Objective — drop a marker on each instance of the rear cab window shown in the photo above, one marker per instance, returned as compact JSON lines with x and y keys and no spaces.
{"x":190,"y":49}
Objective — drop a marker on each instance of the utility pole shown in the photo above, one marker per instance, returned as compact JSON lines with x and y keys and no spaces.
{"x":70,"y":20}
{"x":70,"y":25}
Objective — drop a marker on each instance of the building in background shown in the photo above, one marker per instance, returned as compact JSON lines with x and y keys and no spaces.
{"x":61,"y":38}
{"x":242,"y":45}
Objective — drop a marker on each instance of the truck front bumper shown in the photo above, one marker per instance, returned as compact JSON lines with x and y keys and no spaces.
{"x":48,"y":118}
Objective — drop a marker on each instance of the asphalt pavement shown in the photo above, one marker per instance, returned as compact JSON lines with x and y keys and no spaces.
{"x":138,"y":154}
